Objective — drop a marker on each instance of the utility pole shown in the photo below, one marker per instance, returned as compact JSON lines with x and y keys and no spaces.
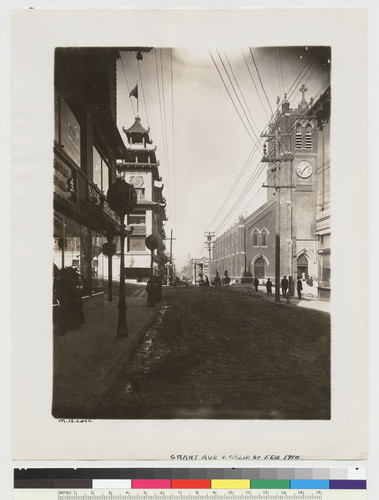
{"x":277,"y":188}
{"x":209,"y":241}
{"x":170,"y":239}
{"x":272,"y":157}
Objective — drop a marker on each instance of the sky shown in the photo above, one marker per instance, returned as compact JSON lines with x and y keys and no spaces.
{"x":206,"y":110}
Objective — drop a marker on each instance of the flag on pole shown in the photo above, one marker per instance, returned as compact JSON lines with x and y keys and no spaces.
{"x":134,"y":92}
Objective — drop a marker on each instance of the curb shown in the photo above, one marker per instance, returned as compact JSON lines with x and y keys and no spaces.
{"x":102,"y":388}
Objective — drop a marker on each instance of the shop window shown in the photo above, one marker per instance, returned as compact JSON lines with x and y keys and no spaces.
{"x":67,"y":129}
{"x":100,"y":171}
{"x":255,"y":238}
{"x":299,"y":138}
{"x":264,"y":238}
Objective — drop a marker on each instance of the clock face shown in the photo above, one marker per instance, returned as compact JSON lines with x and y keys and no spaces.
{"x":304,"y":169}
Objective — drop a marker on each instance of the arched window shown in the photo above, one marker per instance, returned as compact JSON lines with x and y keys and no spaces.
{"x":264,"y":238}
{"x":308,"y":137}
{"x":302,"y":266}
{"x":255,"y":238}
{"x":299,"y":138}
{"x":259,"y":268}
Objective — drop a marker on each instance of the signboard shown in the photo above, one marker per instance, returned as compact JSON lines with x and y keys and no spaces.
{"x":65,"y":184}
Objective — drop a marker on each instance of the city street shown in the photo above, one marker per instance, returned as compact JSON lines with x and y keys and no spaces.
{"x":226,"y":352}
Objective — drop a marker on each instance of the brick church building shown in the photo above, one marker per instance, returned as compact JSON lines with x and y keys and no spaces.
{"x":297,"y":209}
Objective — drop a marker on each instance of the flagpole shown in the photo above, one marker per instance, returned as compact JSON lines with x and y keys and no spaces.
{"x":137,"y":100}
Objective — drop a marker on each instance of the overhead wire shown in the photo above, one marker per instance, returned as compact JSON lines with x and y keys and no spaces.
{"x":260,"y":79}
{"x":231,"y":191}
{"x":162,"y":126}
{"x":173,"y":135}
{"x":127,"y":84}
{"x":256,"y":88}
{"x":277,"y":70}
{"x":235,"y":92}
{"x":143,"y":93}
{"x":243,"y":97}
{"x":166,"y":133}
{"x":235,"y":107}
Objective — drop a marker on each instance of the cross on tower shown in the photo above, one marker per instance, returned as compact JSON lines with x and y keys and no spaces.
{"x":303,"y":89}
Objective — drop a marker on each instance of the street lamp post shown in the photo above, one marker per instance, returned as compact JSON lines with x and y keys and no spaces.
{"x":122,"y":198}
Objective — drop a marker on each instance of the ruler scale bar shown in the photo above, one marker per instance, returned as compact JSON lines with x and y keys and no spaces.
{"x":189,"y":495}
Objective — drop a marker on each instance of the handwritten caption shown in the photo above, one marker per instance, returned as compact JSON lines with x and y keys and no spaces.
{"x":234,"y":457}
{"x":74,"y":421}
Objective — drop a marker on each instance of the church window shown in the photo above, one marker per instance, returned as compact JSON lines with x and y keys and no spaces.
{"x":255,"y":238}
{"x":308,"y":137}
{"x":299,"y":138}
{"x":264,"y":238}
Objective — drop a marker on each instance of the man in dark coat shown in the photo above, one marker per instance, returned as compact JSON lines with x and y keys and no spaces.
{"x":284,"y":285}
{"x":299,"y":287}
{"x":256,"y":283}
{"x":269,"y":287}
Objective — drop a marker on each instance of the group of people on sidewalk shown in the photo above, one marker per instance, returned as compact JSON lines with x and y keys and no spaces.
{"x":284,"y":286}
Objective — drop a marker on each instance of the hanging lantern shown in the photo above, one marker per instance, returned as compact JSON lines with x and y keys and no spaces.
{"x":151,"y":242}
{"x":122,"y":197}
{"x":109,"y":249}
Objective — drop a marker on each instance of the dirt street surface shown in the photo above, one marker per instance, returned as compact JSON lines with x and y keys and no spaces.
{"x":226,"y":353}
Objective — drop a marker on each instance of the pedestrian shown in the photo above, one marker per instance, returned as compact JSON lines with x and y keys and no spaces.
{"x":284,"y":285}
{"x":206,"y":281}
{"x":150,"y":293}
{"x":269,"y":287}
{"x":299,"y":287}
{"x":68,"y":288}
{"x":256,"y":283}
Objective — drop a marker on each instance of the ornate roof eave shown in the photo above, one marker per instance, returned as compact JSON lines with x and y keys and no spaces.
{"x":136,"y":128}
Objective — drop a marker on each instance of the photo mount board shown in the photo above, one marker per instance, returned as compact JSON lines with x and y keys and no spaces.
{"x":36,"y":434}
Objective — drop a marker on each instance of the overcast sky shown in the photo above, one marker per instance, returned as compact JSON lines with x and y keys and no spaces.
{"x":202,"y":142}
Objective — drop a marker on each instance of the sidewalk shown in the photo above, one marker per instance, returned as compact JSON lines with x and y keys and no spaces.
{"x":306,"y":301}
{"x":87,"y":360}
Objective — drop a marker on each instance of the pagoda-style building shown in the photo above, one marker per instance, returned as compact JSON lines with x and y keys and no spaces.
{"x":140,"y":168}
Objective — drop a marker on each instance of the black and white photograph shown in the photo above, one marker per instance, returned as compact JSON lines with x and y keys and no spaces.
{"x":192,"y":233}
{"x":184,"y":201}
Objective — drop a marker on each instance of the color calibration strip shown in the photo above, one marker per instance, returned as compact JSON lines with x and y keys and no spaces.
{"x":195,"y":484}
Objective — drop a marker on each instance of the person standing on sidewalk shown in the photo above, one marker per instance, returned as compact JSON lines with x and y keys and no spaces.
{"x":269,"y":287}
{"x":256,"y":283}
{"x":284,"y":285}
{"x":299,"y":287}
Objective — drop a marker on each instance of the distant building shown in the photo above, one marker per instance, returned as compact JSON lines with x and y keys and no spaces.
{"x":140,"y":167}
{"x":298,"y":191}
{"x":197,"y":269}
